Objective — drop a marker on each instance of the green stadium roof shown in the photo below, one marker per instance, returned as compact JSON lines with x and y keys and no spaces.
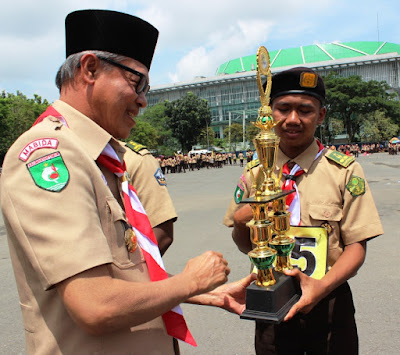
{"x":310,"y":54}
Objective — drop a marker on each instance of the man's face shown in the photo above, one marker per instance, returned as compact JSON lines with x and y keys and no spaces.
{"x":299,"y":115}
{"x":115,"y":100}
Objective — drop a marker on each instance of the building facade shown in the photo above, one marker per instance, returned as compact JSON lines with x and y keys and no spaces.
{"x":233,"y":96}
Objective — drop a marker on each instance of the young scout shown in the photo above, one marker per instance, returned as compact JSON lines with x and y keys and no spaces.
{"x":331,"y":191}
{"x":89,"y":273}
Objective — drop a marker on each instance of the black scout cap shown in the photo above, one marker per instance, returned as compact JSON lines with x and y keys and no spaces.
{"x":300,"y":80}
{"x":110,"y":31}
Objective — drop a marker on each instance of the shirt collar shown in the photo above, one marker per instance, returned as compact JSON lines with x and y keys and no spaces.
{"x":93,"y":137}
{"x":304,"y":160}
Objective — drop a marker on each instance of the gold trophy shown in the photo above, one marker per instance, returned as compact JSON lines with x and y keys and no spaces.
{"x":271,"y":296}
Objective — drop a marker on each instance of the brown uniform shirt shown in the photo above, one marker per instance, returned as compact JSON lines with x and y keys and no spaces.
{"x":55,"y":235}
{"x":325,"y":198}
{"x":150,"y":185}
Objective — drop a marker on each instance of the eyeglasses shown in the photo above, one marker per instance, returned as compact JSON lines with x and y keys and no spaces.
{"x":142,"y":85}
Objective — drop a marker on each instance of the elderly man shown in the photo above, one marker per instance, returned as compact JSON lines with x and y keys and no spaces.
{"x":89,"y":273}
{"x":331,"y":192}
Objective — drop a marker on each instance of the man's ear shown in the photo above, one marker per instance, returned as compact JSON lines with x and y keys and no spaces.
{"x":321,"y":117}
{"x":89,"y":66}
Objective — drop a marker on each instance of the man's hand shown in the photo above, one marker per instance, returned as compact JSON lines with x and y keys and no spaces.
{"x":206,"y":272}
{"x":312,"y":290}
{"x":231,"y":297}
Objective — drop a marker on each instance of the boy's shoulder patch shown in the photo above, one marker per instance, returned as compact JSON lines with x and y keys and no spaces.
{"x":340,"y":158}
{"x":253,"y":164}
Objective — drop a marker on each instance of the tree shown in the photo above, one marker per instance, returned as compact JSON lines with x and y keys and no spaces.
{"x":251,"y":132}
{"x":17,"y":114}
{"x":152,"y":130}
{"x":207,"y":139}
{"x":236,"y":136}
{"x":351,"y":99}
{"x":377,"y":128}
{"x":187,"y":117}
{"x":146,"y":134}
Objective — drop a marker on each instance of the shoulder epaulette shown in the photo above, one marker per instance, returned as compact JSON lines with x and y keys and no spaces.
{"x":136,"y":147}
{"x":340,"y":158}
{"x":253,"y":164}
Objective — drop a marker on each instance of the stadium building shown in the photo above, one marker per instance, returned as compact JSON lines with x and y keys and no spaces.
{"x":232,"y":93}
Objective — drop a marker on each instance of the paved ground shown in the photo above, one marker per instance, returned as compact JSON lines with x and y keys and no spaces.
{"x":201,"y":198}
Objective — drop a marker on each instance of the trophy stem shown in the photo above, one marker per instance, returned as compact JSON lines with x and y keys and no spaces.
{"x":284,"y":246}
{"x":283,"y":263}
{"x":265,"y":278}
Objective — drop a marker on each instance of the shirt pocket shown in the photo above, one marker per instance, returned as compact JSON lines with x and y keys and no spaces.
{"x":115,"y":230}
{"x":325,"y":212}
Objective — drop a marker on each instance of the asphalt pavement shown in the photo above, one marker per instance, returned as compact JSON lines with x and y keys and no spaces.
{"x":201,"y":198}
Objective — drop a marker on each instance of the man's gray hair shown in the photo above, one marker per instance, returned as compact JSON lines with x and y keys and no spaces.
{"x":67,"y":70}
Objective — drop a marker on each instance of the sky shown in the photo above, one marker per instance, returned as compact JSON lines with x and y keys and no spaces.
{"x":196,"y":37}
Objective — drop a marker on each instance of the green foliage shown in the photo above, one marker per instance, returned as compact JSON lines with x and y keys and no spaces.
{"x":236,"y":131}
{"x":152,"y":130}
{"x":351,"y":100}
{"x":377,"y":127}
{"x":187,"y":117}
{"x":205,"y":139}
{"x":251,"y":132}
{"x":17,"y":114}
{"x":144,"y":133}
{"x":220,"y":142}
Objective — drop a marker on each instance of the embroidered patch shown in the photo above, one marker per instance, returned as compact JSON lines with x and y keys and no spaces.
{"x":136,"y":147}
{"x":37,"y":144}
{"x":340,"y":158}
{"x":253,"y":164}
{"x":160,"y":177}
{"x":49,"y":172}
{"x":239,"y":193}
{"x":356,"y":186}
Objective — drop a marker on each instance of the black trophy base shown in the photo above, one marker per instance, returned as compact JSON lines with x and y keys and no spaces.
{"x":271,"y":304}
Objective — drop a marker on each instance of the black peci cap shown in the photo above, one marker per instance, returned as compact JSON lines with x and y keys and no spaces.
{"x":300,"y":80}
{"x":110,"y":31}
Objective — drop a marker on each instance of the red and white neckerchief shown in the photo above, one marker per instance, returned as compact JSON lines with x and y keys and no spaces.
{"x":51,"y":111}
{"x":293,"y":200}
{"x":137,"y":217}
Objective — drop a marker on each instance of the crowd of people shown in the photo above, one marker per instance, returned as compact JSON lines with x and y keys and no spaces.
{"x":181,"y":162}
{"x":356,"y":149}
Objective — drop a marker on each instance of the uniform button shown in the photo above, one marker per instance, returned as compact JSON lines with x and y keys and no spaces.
{"x":327,"y":214}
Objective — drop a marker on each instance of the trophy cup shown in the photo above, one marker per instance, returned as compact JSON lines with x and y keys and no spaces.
{"x":271,"y":296}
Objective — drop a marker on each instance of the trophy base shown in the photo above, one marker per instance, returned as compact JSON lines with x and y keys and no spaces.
{"x":271,"y":304}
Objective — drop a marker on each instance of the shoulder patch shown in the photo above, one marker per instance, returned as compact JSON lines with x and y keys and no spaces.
{"x":37,"y":144}
{"x":239,"y":193}
{"x":252,"y":164}
{"x":340,"y":158}
{"x":356,"y":186}
{"x":136,"y":147}
{"x":160,"y":177}
{"x":49,"y":172}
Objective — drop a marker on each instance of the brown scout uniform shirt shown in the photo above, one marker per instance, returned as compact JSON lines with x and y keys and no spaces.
{"x":325,"y":198}
{"x":144,"y":171}
{"x":55,"y":235}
